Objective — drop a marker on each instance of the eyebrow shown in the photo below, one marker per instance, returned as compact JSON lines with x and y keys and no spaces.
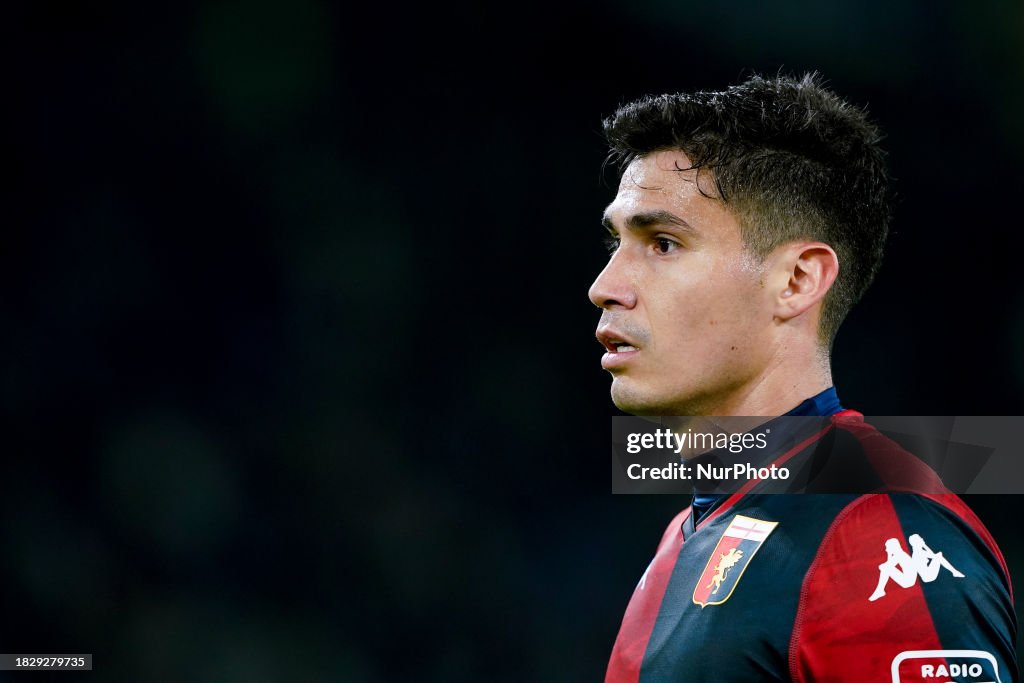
{"x":648,"y":220}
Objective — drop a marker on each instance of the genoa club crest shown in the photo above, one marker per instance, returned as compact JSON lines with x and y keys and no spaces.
{"x":735,"y":549}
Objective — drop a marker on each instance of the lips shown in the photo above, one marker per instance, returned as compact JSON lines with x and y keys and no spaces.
{"x":620,"y":348}
{"x":615,"y":341}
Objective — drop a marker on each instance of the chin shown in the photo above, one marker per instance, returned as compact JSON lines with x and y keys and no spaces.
{"x":646,"y":401}
{"x":634,"y":402}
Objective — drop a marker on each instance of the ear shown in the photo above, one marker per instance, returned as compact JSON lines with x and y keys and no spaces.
{"x":801,"y":276}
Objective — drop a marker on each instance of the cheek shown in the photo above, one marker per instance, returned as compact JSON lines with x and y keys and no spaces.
{"x":724,"y":309}
{"x":741,"y":290}
{"x":684,"y":323}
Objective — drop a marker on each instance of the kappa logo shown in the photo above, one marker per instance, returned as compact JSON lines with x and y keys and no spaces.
{"x":947,"y":666}
{"x":904,"y":569}
{"x":739,"y":543}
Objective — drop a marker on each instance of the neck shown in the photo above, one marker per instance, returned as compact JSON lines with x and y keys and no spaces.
{"x":777,"y":390}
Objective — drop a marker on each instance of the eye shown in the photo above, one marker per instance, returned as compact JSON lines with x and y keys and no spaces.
{"x":611,"y":243}
{"x":664,"y":245}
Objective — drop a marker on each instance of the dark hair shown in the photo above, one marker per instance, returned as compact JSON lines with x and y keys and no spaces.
{"x":789,"y":158}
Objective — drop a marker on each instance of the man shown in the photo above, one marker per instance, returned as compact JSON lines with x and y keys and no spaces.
{"x":747,"y":223}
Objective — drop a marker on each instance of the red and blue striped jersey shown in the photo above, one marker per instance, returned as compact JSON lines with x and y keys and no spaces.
{"x":905,"y":584}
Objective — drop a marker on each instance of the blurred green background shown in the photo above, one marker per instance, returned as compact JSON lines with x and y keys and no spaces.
{"x":298,"y":363}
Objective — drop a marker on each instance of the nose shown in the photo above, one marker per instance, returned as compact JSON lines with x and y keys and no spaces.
{"x":613,"y":287}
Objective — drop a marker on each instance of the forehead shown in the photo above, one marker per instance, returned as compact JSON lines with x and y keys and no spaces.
{"x":663,"y":181}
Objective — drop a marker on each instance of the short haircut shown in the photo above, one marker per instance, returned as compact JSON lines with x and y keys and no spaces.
{"x":789,"y":158}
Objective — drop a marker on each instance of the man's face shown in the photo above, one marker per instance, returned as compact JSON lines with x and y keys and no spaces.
{"x":686,"y":316}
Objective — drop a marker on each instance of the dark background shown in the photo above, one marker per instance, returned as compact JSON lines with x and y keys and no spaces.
{"x":298,"y":367}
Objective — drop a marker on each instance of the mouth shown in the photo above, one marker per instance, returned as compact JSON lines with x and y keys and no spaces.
{"x":619,"y":349}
